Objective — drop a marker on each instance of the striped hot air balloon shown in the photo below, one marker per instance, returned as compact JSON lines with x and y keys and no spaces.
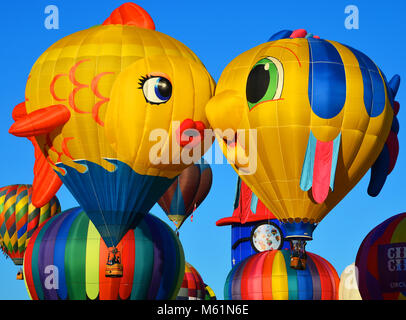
{"x":70,"y":248}
{"x":19,"y":218}
{"x":193,"y":287}
{"x":187,"y":192}
{"x":381,"y":261}
{"x":267,"y":276}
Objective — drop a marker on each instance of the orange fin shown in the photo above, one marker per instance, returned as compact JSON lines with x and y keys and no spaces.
{"x":39,"y":122}
{"x":46,"y":182}
{"x":131,"y":14}
{"x":19,"y":111}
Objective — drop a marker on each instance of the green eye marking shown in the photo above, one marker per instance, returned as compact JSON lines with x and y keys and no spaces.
{"x":264,"y":82}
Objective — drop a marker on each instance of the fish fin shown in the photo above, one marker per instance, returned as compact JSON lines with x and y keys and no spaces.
{"x":46,"y":182}
{"x":41,"y":121}
{"x":19,"y":111}
{"x":130,"y":14}
{"x":379,"y":172}
{"x":306,"y":179}
{"x":323,"y":159}
{"x":336,"y":149}
{"x":394,"y":84}
{"x":283,"y":34}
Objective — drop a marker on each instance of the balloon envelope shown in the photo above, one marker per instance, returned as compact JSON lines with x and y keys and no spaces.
{"x":348,"y":289}
{"x":187,"y":192}
{"x":152,"y":258}
{"x":381,"y":261}
{"x":19,"y":218}
{"x":315,"y":129}
{"x":267,"y":276}
{"x":105,"y":105}
{"x":193,"y":287}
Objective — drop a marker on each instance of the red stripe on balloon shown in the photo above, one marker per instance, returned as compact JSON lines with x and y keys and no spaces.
{"x":325,"y":282}
{"x":28,"y":267}
{"x":255,"y":284}
{"x":128,"y":261}
{"x":322,"y":170}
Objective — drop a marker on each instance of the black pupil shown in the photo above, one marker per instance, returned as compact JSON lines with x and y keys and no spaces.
{"x":164,"y":87}
{"x":257,"y":83}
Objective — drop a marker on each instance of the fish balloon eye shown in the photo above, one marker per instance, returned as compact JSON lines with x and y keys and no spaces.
{"x":156,"y":90}
{"x":264,"y":82}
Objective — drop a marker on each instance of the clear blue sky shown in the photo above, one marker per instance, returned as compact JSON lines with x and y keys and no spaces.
{"x":217,"y":31}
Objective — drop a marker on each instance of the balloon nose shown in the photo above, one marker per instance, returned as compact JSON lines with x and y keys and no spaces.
{"x":225,"y":110}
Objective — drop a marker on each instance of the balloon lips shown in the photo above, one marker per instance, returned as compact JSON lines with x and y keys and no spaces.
{"x":104,"y":105}
{"x":387,"y":159}
{"x":322,"y":112}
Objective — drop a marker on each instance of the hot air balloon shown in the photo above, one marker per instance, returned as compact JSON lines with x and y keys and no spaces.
{"x":267,"y":276}
{"x":210,"y":295}
{"x":69,"y":247}
{"x":19,"y":218}
{"x":193,"y":287}
{"x":118,"y":112}
{"x":187,"y":192}
{"x":348,"y":289}
{"x":308,"y":118}
{"x":381,"y":261}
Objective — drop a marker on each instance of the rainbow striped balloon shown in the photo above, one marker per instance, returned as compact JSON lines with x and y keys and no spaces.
{"x":381,"y":261}
{"x":70,"y":245}
{"x":267,"y":276}
{"x":193,"y":287}
{"x":19,"y":218}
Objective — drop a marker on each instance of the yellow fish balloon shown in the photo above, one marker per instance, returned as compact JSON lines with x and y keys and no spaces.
{"x":99,"y":103}
{"x":321,"y":112}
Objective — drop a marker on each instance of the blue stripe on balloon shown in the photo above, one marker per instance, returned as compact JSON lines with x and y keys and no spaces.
{"x":374,"y":88}
{"x":169,"y":273}
{"x":315,"y":279}
{"x":306,"y":178}
{"x":22,"y":230}
{"x":69,"y":217}
{"x":327,"y":83}
{"x":305,"y":284}
{"x":177,"y":203}
{"x":336,"y":149}
{"x":254,"y":203}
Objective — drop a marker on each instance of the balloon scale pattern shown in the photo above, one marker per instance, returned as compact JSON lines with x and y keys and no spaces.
{"x":152,"y":258}
{"x":381,"y":261}
{"x":268,"y":276}
{"x":19,"y":218}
